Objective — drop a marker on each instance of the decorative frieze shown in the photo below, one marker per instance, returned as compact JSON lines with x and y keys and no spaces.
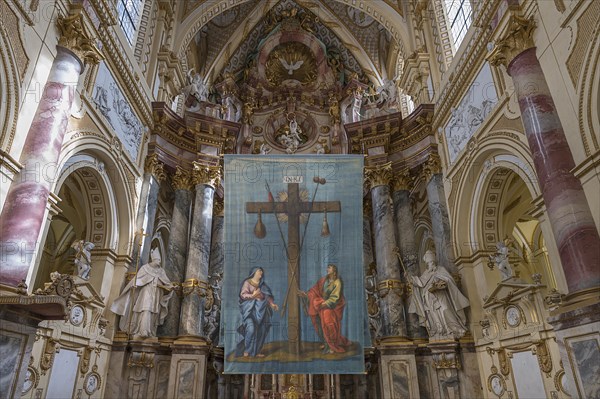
{"x":380,"y":175}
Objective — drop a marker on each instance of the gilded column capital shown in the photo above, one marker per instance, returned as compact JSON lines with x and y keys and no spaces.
{"x":402,"y":181}
{"x":432,"y":166}
{"x":153,"y":166}
{"x":75,"y":37}
{"x":206,"y":174}
{"x":182,"y":179}
{"x":380,"y":175}
{"x":516,"y":38}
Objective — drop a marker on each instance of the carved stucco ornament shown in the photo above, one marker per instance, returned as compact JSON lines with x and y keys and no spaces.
{"x":75,"y":37}
{"x":516,"y":38}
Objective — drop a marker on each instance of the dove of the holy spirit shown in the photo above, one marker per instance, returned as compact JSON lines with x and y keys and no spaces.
{"x":291,"y":67}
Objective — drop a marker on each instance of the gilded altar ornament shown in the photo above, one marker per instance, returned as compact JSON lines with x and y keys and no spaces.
{"x":154,"y":167}
{"x":291,"y":61}
{"x":432,"y":166}
{"x":50,"y":348}
{"x":544,"y":359}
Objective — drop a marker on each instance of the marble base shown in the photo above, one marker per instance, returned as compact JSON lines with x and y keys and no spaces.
{"x":187,"y":377}
{"x":578,"y":337}
{"x":398,"y":372}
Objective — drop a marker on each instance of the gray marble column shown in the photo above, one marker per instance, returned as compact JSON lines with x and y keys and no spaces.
{"x":178,"y":246}
{"x":215,"y":275}
{"x":390,"y":287}
{"x":370,"y":269}
{"x":144,"y":220}
{"x":206,"y":179}
{"x":438,"y":211}
{"x":405,"y":235}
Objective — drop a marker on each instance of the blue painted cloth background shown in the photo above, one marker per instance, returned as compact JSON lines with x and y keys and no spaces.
{"x":244,"y":181}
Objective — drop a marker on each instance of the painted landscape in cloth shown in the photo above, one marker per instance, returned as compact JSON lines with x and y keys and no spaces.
{"x":293,"y":292}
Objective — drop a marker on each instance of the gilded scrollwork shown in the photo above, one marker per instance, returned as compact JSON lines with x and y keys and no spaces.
{"x":544,"y":358}
{"x":51,"y":346}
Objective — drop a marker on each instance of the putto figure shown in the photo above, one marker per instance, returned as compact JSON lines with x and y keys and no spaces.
{"x":437,"y":301}
{"x":256,"y":305}
{"x":83,"y":258}
{"x":326,"y":304}
{"x":143,"y":303}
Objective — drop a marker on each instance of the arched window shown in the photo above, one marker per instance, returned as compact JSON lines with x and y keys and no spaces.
{"x":459,"y":13}
{"x":129,"y":16}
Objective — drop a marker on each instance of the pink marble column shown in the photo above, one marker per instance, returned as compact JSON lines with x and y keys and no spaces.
{"x":568,"y":210}
{"x":23,"y":213}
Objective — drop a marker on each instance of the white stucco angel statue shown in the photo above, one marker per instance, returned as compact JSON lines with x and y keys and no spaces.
{"x":195,"y":87}
{"x":83,"y":257}
{"x":500,"y":259}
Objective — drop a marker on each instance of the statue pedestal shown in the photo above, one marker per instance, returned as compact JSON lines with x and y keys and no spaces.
{"x":187,"y":375}
{"x":398,"y":368}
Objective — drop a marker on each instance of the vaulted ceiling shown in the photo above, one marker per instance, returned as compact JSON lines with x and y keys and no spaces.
{"x":217,"y":38}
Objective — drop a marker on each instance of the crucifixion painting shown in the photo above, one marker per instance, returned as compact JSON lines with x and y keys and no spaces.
{"x":293,"y":289}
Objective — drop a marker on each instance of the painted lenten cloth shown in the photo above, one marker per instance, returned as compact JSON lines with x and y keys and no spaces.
{"x":293,"y":292}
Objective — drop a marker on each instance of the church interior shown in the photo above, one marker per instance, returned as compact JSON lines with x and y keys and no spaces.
{"x":478,"y":122}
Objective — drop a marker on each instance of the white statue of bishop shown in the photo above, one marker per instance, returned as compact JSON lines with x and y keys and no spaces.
{"x":143,"y":303}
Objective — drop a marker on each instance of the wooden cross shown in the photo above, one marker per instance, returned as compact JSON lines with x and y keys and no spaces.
{"x":294,"y":207}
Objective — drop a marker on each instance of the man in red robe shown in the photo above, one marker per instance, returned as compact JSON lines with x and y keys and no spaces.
{"x":326,"y":308}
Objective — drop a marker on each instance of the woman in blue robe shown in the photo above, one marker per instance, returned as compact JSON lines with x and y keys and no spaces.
{"x":256,"y":305}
